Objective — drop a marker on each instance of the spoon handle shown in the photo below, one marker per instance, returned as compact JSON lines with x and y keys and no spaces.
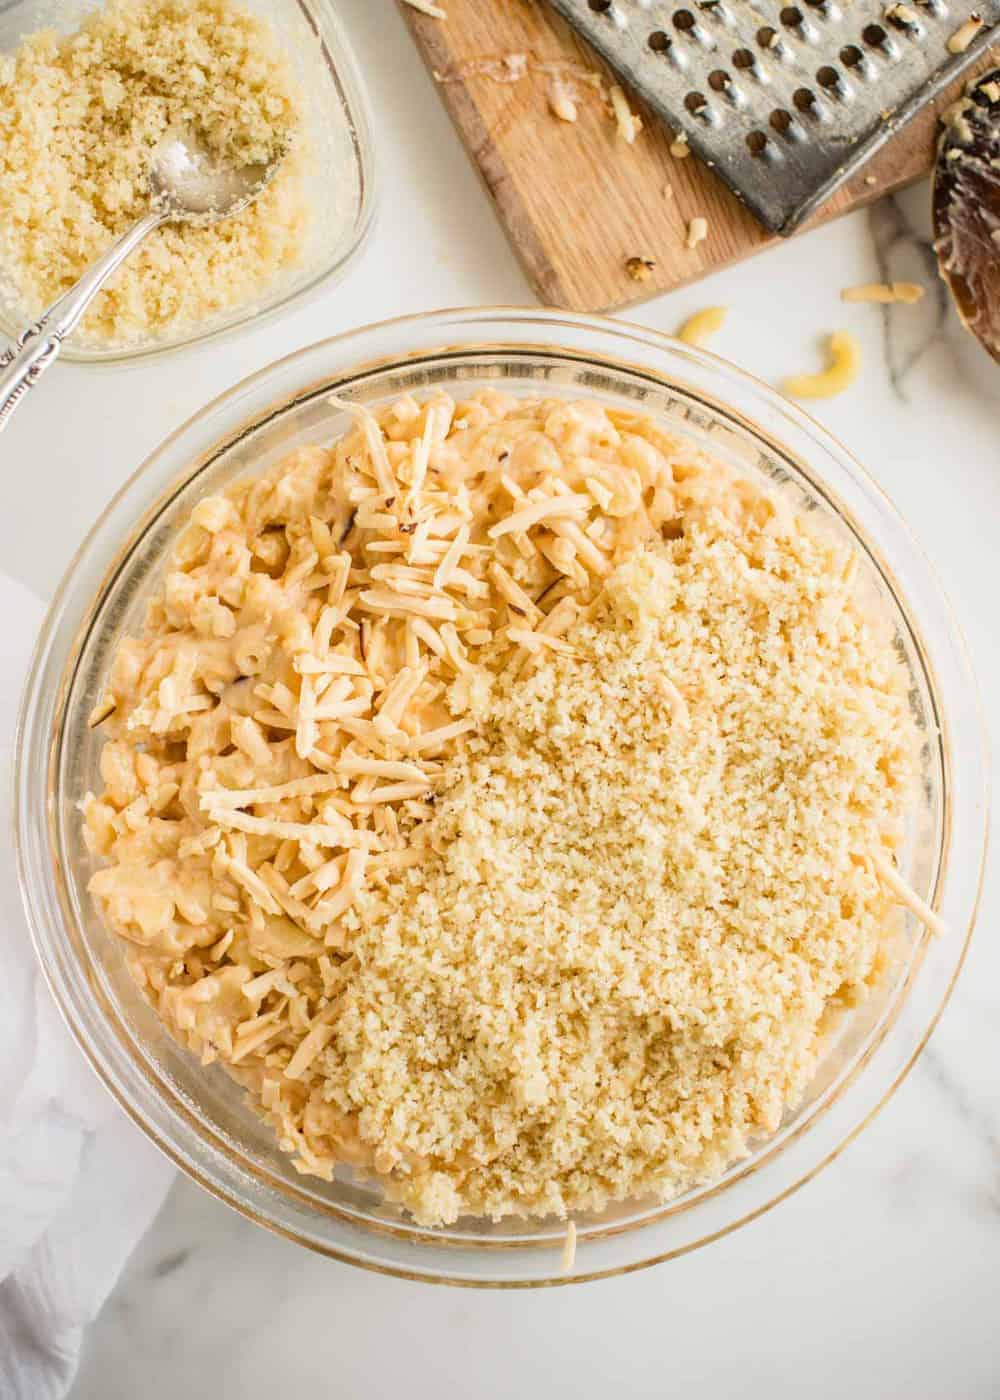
{"x":22,"y":363}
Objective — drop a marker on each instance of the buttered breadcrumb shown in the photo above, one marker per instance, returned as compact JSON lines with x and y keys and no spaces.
{"x":508,"y":795}
{"x":79,"y":118}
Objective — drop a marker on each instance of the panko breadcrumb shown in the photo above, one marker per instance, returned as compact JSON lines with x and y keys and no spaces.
{"x":80,"y":116}
{"x":508,"y":795}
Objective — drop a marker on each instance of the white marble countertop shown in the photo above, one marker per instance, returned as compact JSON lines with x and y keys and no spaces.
{"x":878,"y":1279}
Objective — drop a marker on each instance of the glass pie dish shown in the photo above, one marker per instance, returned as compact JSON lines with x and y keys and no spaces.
{"x":198,"y":1115}
{"x":338,"y":181}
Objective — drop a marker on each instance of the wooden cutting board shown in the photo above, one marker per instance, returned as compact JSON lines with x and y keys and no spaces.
{"x":577,"y":201}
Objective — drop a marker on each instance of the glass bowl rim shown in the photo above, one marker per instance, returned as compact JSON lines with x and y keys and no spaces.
{"x":406,"y":333}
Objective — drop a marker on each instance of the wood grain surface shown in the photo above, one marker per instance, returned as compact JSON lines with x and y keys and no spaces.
{"x":576,"y":201}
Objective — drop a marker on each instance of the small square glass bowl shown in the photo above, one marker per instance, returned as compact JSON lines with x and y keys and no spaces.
{"x":198,"y":1115}
{"x":339,"y":177}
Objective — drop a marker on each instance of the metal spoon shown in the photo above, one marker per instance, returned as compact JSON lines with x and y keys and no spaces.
{"x":187,"y":184}
{"x":966,"y":205}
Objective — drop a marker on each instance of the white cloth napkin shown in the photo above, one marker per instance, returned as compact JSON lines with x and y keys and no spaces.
{"x":79,"y":1184}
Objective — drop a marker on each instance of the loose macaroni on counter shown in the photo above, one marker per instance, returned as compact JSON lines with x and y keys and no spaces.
{"x":506,"y":794}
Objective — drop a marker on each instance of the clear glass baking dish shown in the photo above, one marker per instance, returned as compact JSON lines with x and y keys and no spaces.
{"x":340,"y":179}
{"x":198,"y":1116}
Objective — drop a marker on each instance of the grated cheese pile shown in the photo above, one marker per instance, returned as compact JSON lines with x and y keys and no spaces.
{"x":79,"y":118}
{"x":507,"y":795}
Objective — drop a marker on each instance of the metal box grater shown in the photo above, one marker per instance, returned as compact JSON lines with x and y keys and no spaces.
{"x":783,"y":100}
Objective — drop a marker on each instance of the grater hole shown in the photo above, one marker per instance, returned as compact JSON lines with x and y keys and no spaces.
{"x":685,"y":21}
{"x":718,"y":80}
{"x":658,"y":41}
{"x":791,"y":17}
{"x":600,"y":7}
{"x":781,"y":121}
{"x":743,"y":59}
{"x":756,"y":143}
{"x":767,"y":37}
{"x":874,"y":36}
{"x":715,"y":10}
{"x":828,"y":78}
{"x":805,"y":102}
{"x":851,"y":56}
{"x":696,"y":103}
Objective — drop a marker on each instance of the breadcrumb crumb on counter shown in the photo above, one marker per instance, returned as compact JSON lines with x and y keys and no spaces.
{"x":628,"y":123}
{"x":508,"y":795}
{"x":697,"y":231}
{"x":640,"y":269}
{"x":79,"y":118}
{"x":562,"y":100}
